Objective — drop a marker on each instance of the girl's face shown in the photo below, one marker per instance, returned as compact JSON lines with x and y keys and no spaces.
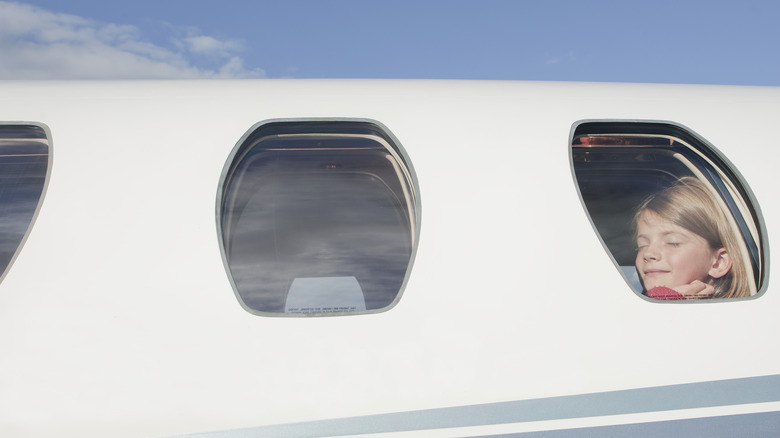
{"x":670,"y":255}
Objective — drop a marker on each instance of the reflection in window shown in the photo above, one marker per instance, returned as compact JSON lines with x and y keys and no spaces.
{"x":24,"y":163}
{"x":317,"y":218}
{"x":636,"y":176}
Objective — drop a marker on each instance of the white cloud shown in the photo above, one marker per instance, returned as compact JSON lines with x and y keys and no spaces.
{"x":39,"y":44}
{"x":562,"y":58}
{"x":206,"y":45}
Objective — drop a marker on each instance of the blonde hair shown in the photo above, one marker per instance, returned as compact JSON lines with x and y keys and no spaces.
{"x":689,"y":204}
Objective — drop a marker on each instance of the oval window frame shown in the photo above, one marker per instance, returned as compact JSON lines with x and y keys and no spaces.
{"x":331,"y":126}
{"x":699,"y":145}
{"x":47,"y":136}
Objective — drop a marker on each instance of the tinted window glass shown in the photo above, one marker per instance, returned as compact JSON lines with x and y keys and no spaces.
{"x":24,"y":163}
{"x":636,"y":176}
{"x":318,"y":218}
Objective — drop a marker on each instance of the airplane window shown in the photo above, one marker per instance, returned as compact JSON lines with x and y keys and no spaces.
{"x":24,"y":164}
{"x":318,"y":218}
{"x":677,"y":219}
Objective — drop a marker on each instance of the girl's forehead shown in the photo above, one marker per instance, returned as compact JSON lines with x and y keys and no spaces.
{"x":649,"y":220}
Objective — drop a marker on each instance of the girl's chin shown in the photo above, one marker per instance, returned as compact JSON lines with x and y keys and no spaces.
{"x":651,"y":284}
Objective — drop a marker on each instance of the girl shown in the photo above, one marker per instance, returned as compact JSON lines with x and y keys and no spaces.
{"x":686,"y":248}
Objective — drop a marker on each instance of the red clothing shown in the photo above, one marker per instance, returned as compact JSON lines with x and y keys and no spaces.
{"x":664,"y":293}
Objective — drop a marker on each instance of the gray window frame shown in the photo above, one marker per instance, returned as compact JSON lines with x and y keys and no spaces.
{"x":710,"y":153}
{"x":47,"y":139}
{"x":298,"y":126}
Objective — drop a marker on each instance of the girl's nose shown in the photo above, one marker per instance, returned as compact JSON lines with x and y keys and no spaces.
{"x":651,"y":253}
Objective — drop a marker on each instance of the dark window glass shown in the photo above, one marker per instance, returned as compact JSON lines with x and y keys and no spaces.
{"x":24,"y":163}
{"x":638,"y":177}
{"x":318,"y":218}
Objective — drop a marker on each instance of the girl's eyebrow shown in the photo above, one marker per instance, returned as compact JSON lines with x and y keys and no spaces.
{"x":679,"y":233}
{"x":663,"y":234}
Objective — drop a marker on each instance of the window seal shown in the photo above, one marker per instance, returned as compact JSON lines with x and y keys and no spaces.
{"x":324,"y":126}
{"x":727,"y":173}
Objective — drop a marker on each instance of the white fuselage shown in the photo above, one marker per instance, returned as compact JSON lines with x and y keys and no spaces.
{"x":118,"y":319}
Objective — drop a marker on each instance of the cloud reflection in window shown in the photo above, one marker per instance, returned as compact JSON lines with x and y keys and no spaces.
{"x":328,"y":207}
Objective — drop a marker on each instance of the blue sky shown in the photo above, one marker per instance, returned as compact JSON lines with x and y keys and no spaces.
{"x":662,"y":41}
